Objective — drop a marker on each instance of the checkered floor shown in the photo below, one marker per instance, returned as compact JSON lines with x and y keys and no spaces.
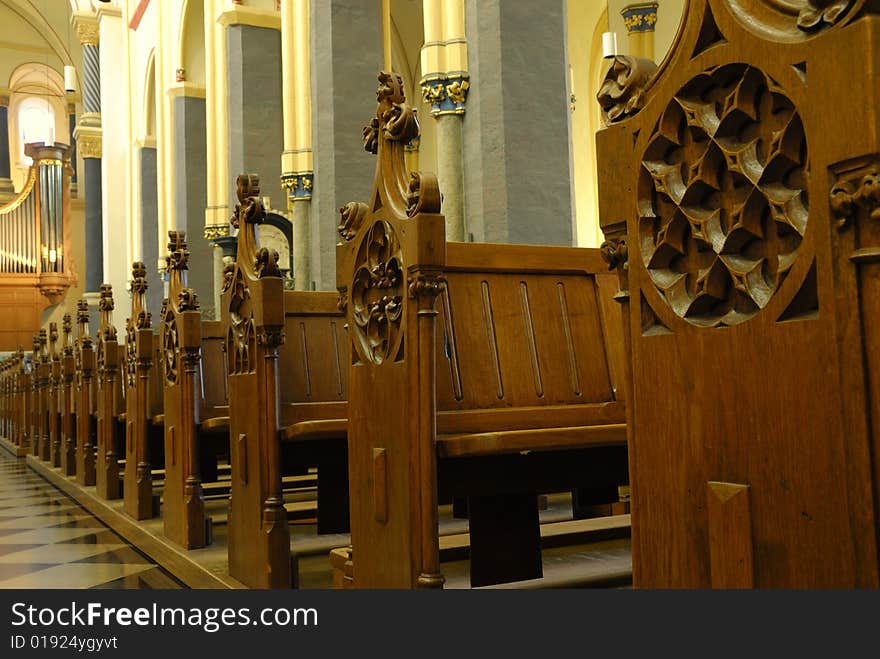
{"x":48,"y":541}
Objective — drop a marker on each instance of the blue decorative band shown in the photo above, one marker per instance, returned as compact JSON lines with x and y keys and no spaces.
{"x":640,"y":18}
{"x":446,"y":95}
{"x":298,"y":186}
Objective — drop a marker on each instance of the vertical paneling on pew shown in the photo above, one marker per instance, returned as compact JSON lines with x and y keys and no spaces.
{"x":54,"y":397}
{"x":21,"y":400}
{"x":43,"y":372}
{"x":742,"y":210}
{"x":68,"y":397}
{"x":513,"y":393}
{"x":196,"y":419}
{"x":84,"y":367}
{"x":301,"y":417}
{"x":110,"y":402}
{"x":142,"y":451}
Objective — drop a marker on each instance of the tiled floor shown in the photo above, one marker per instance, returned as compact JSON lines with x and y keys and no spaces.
{"x":48,"y":541}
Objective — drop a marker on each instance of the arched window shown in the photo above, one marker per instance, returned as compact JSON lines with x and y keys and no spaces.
{"x":36,"y":123}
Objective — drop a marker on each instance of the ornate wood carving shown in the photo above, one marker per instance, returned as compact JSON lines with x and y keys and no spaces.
{"x":55,"y":381}
{"x":184,"y":508}
{"x":388,"y":289}
{"x":622,"y":92}
{"x":748,"y":206}
{"x":139,"y":347}
{"x":253,"y":300}
{"x":109,"y":399}
{"x":722,"y":195}
{"x":84,"y":359}
{"x":68,"y":388}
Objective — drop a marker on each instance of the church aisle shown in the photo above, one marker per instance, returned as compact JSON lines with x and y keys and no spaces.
{"x":48,"y":541}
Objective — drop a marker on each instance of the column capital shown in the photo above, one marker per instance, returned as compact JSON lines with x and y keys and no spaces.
{"x":88,"y":140}
{"x":446,"y":93}
{"x":86,"y":26}
{"x":298,"y":185}
{"x":641,"y":17}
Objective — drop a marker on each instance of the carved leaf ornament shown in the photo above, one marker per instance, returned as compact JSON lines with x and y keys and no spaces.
{"x":722,"y":195}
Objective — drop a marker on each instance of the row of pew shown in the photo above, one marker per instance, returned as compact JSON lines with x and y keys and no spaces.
{"x":483,"y":374}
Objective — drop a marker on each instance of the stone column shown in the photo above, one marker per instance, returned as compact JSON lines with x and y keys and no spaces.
{"x":71,"y":117}
{"x":88,"y":136}
{"x":346,"y":55}
{"x":149,"y":211}
{"x":517,"y":183}
{"x":297,"y":173}
{"x":640,"y":20}
{"x":190,"y":192}
{"x":445,"y":86}
{"x":6,"y":189}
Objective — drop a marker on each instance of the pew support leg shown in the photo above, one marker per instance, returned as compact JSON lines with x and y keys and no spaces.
{"x":333,"y":503}
{"x":505,"y":538}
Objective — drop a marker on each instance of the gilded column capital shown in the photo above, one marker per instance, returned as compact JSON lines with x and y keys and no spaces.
{"x":446,"y":93}
{"x":640,"y":17}
{"x":88,"y":141}
{"x":298,"y":185}
{"x":86,"y":27}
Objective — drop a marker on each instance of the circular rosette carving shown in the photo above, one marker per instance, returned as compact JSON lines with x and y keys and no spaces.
{"x":377,"y":294}
{"x":722,"y":195}
{"x":793,"y":19}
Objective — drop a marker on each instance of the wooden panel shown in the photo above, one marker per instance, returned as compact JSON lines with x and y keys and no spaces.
{"x":730,"y":535}
{"x":506,"y":337}
{"x":313,"y":359}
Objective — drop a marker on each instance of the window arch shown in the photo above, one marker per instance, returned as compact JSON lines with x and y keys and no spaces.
{"x":36,"y":123}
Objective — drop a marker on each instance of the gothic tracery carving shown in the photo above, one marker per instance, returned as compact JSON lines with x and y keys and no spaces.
{"x":722,"y":195}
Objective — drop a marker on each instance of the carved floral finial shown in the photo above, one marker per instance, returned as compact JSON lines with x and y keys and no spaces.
{"x":351,"y":217}
{"x":105,"y":302}
{"x":178,"y":254}
{"x":250,"y":205}
{"x":423,"y":194}
{"x":622,"y":92}
{"x":138,"y":278}
{"x":847,"y":198}
{"x":82,"y":311}
{"x":614,"y":253}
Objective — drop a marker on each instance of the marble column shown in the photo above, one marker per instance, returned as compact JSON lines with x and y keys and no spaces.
{"x":89,"y":141}
{"x":6,"y":189}
{"x":346,"y":55}
{"x":190,"y":195}
{"x":149,"y":237}
{"x":516,"y":134}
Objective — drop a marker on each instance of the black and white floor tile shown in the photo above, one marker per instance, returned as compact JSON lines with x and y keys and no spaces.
{"x":48,"y":541}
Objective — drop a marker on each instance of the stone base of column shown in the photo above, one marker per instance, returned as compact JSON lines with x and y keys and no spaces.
{"x":302,"y":241}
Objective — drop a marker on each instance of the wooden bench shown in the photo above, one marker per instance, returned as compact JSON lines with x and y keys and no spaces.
{"x":196,"y":420}
{"x":86,"y":424}
{"x":40,"y":391}
{"x":67,"y":397}
{"x":512,"y":395}
{"x":55,"y":380}
{"x":287,"y":384}
{"x":741,"y":208}
{"x":144,"y":402}
{"x":110,"y":401}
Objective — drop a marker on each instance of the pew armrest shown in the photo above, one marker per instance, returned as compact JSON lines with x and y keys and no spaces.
{"x":158,"y":420}
{"x":316,"y":429}
{"x":540,"y":439}
{"x":215,"y":424}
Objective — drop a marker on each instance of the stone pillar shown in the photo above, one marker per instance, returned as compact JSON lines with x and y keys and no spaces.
{"x":640,"y":20}
{"x":517,"y":183}
{"x":6,"y":189}
{"x":190,"y":194}
{"x":297,"y":169}
{"x":88,"y":136}
{"x":346,"y":57}
{"x":149,"y":211}
{"x":71,"y":117}
{"x":445,"y":86}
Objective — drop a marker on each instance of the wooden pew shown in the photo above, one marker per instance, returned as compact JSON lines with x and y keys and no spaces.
{"x":287,"y":401}
{"x":55,"y":380}
{"x":740,"y":206}
{"x":512,"y":396}
{"x":39,"y":393}
{"x":20,"y":413}
{"x":86,"y":427}
{"x":143,"y":403}
{"x":196,"y":418}
{"x":110,"y":402}
{"x":67,"y":398}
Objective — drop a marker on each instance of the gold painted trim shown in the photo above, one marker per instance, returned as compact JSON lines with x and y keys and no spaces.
{"x":250,"y":16}
{"x":25,"y":191}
